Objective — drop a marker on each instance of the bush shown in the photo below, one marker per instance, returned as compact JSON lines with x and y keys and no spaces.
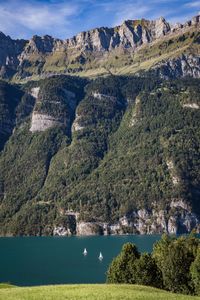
{"x":122,"y":267}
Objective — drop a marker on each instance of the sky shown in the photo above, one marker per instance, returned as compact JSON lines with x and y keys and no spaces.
{"x":65,"y":18}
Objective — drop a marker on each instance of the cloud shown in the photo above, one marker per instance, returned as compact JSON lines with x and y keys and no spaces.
{"x":172,"y":10}
{"x":128,"y":9}
{"x":193,"y":4}
{"x":131,"y":12}
{"x":65,"y":18}
{"x":25,"y":17}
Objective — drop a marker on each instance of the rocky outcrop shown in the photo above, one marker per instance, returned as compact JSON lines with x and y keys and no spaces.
{"x":42,"y":122}
{"x":135,"y":113}
{"x":9,"y":51}
{"x":35,"y":92}
{"x":37,"y":44}
{"x":76,"y":126}
{"x":61,"y":231}
{"x":130,"y":34}
{"x":178,"y":218}
{"x":175,"y":179}
{"x":67,"y":225}
{"x":101,"y":96}
{"x":183,"y":66}
{"x":88,"y":228}
{"x":191,"y":105}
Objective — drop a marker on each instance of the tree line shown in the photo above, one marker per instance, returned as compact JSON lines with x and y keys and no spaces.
{"x":173,"y":265}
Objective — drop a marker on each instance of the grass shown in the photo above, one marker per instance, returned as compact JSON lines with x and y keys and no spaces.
{"x":6,"y":285}
{"x":89,"y":292}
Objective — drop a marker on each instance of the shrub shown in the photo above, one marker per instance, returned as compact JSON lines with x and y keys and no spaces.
{"x":122,"y":267}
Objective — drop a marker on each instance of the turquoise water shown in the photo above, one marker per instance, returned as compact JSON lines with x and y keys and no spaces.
{"x":53,"y":260}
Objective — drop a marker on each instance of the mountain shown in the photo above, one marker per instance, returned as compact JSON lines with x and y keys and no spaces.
{"x":93,"y":154}
{"x":115,"y":154}
{"x":134,"y":46}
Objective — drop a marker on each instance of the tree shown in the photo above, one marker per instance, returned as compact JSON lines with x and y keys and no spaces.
{"x":195,"y":273}
{"x":160,"y":250}
{"x":121,"y":269}
{"x":174,"y":258}
{"x":146,"y":271}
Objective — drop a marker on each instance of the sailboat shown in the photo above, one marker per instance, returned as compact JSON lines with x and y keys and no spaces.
{"x":100,"y":256}
{"x":85,"y":252}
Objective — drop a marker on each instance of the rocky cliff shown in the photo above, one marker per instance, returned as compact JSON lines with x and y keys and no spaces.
{"x":182,"y":66}
{"x":177,"y":219}
{"x":94,"y":49}
{"x":9,"y":55}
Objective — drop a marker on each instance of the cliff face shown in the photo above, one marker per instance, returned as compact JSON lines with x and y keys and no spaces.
{"x":176,"y":220}
{"x":182,"y":66}
{"x":130,"y":34}
{"x":9,"y":52}
{"x":43,"y":119}
{"x":44,"y":55}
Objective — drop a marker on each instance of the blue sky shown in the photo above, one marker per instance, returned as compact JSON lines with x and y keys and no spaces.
{"x":65,"y":18}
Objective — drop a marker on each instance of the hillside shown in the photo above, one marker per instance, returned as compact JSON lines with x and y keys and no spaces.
{"x":111,"y":155}
{"x":93,"y":292}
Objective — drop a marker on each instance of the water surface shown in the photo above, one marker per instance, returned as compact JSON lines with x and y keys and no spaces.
{"x":53,"y":260}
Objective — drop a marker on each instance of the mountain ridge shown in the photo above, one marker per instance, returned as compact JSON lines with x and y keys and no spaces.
{"x":41,"y":55}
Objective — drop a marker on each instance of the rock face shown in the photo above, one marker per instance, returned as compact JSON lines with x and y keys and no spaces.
{"x":130,"y":34}
{"x":100,"y":96}
{"x":175,"y":179}
{"x":191,"y":105}
{"x":76,"y":126}
{"x":25,"y":58}
{"x":9,"y":52}
{"x":135,"y":113}
{"x":35,"y":92}
{"x":178,"y":219}
{"x":42,"y":122}
{"x":61,"y":231}
{"x":37,"y":44}
{"x":88,"y":228}
{"x":183,"y":66}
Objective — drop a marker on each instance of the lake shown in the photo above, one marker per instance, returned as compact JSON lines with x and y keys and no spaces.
{"x":53,"y":260}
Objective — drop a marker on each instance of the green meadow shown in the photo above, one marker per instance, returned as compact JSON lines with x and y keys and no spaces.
{"x":89,"y":292}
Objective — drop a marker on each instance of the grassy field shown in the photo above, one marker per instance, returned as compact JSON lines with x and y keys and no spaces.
{"x":89,"y":292}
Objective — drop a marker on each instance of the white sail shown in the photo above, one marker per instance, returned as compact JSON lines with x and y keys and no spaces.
{"x":85,"y":252}
{"x":100,"y":256}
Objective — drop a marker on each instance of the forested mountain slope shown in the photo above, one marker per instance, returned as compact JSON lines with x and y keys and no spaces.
{"x":111,"y":155}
